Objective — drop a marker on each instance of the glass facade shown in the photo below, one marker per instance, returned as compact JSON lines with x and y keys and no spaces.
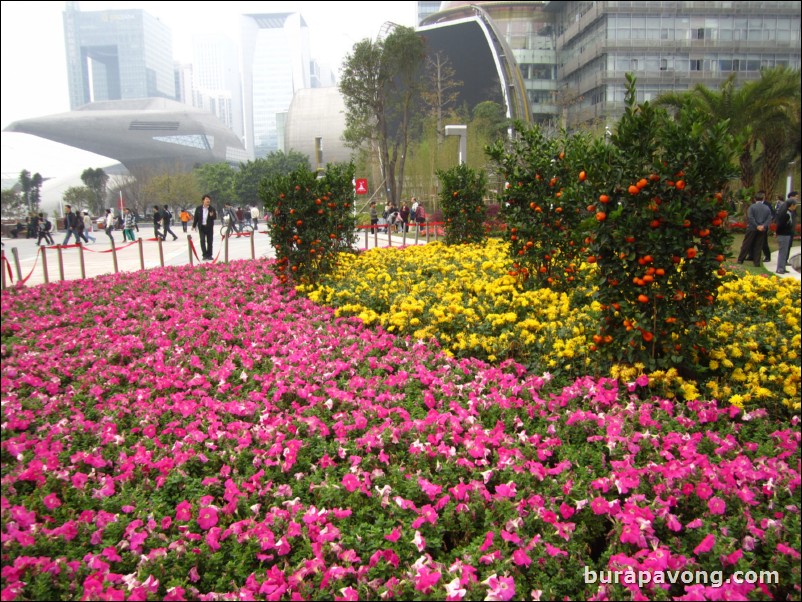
{"x":276,"y":64}
{"x":117,"y":55}
{"x":668,"y":46}
{"x":574,"y":55}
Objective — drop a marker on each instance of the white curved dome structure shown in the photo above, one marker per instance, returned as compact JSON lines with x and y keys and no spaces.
{"x":317,"y":113}
{"x":148,"y":131}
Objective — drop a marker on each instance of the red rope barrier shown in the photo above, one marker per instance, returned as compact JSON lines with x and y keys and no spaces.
{"x":8,"y":267}
{"x":35,"y":261}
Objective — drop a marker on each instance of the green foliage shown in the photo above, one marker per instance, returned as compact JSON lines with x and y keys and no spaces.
{"x":543,"y":203}
{"x":660,"y":234}
{"x":216,"y":180}
{"x":11,"y":203}
{"x":248,"y":179}
{"x":462,"y":194}
{"x":172,"y":189}
{"x":31,"y":189}
{"x":95,"y":180}
{"x":313,"y":220}
{"x":380,"y":83}
{"x":80,"y":197}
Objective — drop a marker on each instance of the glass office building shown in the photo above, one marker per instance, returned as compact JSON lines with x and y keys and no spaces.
{"x":275,"y":65}
{"x":574,"y":55}
{"x":117,"y":55}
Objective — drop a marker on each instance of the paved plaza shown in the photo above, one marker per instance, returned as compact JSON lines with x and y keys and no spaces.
{"x":43,"y":264}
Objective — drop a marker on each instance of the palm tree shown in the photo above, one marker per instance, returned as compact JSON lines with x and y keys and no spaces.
{"x":763,"y":115}
{"x":777,"y":100}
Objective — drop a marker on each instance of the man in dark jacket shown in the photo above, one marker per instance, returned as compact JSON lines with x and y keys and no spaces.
{"x":759,"y":218}
{"x":786,"y":224}
{"x":167,"y":219}
{"x":204,"y":223}
{"x":71,"y":224}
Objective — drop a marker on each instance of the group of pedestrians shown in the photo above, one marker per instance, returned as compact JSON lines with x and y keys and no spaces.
{"x":395,"y":218}
{"x":77,"y":225}
{"x":760,"y":217}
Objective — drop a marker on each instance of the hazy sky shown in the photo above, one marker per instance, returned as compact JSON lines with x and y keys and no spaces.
{"x":34,"y":68}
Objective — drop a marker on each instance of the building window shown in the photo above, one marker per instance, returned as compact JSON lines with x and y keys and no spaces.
{"x":696,"y":64}
{"x":634,"y":64}
{"x":663,"y":64}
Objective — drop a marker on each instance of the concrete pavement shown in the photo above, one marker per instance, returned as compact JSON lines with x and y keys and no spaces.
{"x":38,"y":265}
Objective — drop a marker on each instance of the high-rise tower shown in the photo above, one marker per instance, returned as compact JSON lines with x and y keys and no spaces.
{"x":275,"y":64}
{"x":117,"y":55}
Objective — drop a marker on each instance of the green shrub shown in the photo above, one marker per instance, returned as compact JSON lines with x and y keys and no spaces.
{"x":462,"y":194}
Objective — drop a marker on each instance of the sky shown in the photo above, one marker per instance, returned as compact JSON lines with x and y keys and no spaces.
{"x":34,"y":66}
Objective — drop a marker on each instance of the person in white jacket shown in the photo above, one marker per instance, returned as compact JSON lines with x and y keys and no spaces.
{"x":110,"y":224}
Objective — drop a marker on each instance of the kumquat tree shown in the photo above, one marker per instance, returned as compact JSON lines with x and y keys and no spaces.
{"x":660,"y":237}
{"x":543,"y":204}
{"x":313,"y":220}
{"x":462,"y":197}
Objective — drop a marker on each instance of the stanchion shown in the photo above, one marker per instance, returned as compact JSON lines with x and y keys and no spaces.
{"x":253,"y":245}
{"x":225,"y":248}
{"x":81,"y":260}
{"x":141,"y":253}
{"x":3,"y":269}
{"x":427,"y":233}
{"x":15,"y":253}
{"x":375,"y":237}
{"x":189,"y":250}
{"x":44,"y":264}
{"x":60,"y":263}
{"x":161,"y":251}
{"x":114,"y":255}
{"x":366,"y":239}
{"x":417,"y":232}
{"x":389,"y":236}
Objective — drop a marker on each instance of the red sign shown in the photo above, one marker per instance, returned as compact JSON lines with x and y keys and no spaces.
{"x":362,"y":186}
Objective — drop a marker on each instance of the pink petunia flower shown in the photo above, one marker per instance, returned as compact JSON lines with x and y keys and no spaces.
{"x":706,"y":545}
{"x":521,"y":558}
{"x":207,"y":518}
{"x":350,"y":482}
{"x":787,"y":550}
{"x":454,"y":590}
{"x":499,"y":588}
{"x":183,"y":512}
{"x":419,"y":541}
{"x":716,"y":505}
{"x":51,"y":501}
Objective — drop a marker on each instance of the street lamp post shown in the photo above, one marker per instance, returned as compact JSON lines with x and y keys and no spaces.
{"x":462,"y":132}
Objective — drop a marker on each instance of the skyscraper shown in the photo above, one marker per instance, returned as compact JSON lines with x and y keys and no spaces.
{"x":216,"y":79}
{"x":275,"y":64}
{"x":117,"y":55}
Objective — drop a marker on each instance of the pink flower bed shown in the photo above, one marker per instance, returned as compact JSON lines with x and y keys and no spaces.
{"x":202,"y":434}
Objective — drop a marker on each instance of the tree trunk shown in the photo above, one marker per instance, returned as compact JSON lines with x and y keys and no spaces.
{"x":773,"y":150}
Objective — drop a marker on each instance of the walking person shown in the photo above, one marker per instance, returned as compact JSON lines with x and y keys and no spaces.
{"x":759,"y":218}
{"x":157,"y":222}
{"x":255,"y":217}
{"x":167,"y":219}
{"x":205,"y":215}
{"x":129,"y":221}
{"x":109,"y":220}
{"x":786,"y":224}
{"x":71,"y":225}
{"x":184,"y":216}
{"x":44,"y":230}
{"x":88,"y":227}
{"x":374,"y":217}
